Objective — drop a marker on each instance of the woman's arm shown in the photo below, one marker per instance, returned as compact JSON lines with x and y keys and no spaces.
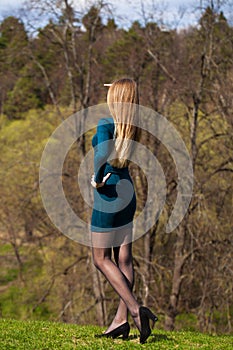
{"x":102,"y":150}
{"x":100,"y":184}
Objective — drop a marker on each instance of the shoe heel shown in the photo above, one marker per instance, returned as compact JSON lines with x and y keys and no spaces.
{"x":153,"y":317}
{"x":150,"y":316}
{"x":125,"y":335}
{"x":145,"y":317}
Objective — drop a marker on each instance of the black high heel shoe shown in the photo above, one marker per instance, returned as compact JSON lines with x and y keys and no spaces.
{"x":121,"y":330}
{"x":145,"y":316}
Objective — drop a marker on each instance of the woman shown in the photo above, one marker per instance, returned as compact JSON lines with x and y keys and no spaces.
{"x":115,"y":205}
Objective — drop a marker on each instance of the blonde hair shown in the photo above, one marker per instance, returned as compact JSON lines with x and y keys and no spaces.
{"x":123,"y":101}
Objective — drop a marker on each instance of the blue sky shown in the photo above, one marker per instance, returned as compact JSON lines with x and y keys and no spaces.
{"x":6,"y":5}
{"x":167,"y":11}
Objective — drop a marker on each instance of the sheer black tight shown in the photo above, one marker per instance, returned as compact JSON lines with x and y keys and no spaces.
{"x":120,"y":275}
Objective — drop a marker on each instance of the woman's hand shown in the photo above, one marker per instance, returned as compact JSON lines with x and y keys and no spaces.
{"x":99,"y":184}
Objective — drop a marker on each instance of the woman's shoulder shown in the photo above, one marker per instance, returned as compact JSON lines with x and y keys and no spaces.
{"x":106,"y":125}
{"x":106,"y":120}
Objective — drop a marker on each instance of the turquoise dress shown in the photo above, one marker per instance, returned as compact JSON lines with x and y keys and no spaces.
{"x":114,"y":203}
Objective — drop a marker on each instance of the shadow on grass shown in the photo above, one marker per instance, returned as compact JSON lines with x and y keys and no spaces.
{"x":154,"y":338}
{"x":132,"y":336}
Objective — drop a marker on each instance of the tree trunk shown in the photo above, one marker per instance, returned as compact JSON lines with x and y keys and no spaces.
{"x":176,"y":279}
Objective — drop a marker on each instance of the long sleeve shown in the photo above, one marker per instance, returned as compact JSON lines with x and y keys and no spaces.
{"x":102,"y":149}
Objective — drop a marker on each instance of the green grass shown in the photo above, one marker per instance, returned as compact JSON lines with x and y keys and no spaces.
{"x":41,"y":335}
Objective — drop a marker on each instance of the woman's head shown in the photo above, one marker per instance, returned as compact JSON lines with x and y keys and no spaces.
{"x":123,"y":100}
{"x":123,"y":90}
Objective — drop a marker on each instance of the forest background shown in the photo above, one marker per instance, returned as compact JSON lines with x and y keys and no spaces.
{"x":50,"y":71}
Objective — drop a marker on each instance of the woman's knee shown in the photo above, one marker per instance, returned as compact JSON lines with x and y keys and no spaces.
{"x":99,"y":260}
{"x":96,"y":261}
{"x":125,"y":260}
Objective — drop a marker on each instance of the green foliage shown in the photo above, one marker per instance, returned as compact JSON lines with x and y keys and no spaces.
{"x":13,"y":43}
{"x":5,"y":249}
{"x":186,"y":322}
{"x":13,"y":58}
{"x":11,"y":302}
{"x":25,"y":96}
{"x":92,"y":22}
{"x":11,"y":275}
{"x":22,"y":143}
{"x":126,"y":54}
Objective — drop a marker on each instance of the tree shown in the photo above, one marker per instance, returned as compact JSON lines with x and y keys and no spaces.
{"x":13,"y":56}
{"x":198,"y":102}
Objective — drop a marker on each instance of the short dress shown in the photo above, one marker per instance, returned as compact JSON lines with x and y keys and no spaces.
{"x":114,"y":203}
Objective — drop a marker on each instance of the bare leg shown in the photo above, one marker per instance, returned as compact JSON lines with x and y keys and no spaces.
{"x":102,"y":260}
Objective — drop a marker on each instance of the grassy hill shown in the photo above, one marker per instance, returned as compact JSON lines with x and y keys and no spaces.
{"x":41,"y":335}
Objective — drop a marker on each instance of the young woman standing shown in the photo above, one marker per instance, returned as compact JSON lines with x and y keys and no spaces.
{"x":115,"y":205}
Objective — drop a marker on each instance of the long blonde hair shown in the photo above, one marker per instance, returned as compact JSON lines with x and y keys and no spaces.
{"x":123,"y":101}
